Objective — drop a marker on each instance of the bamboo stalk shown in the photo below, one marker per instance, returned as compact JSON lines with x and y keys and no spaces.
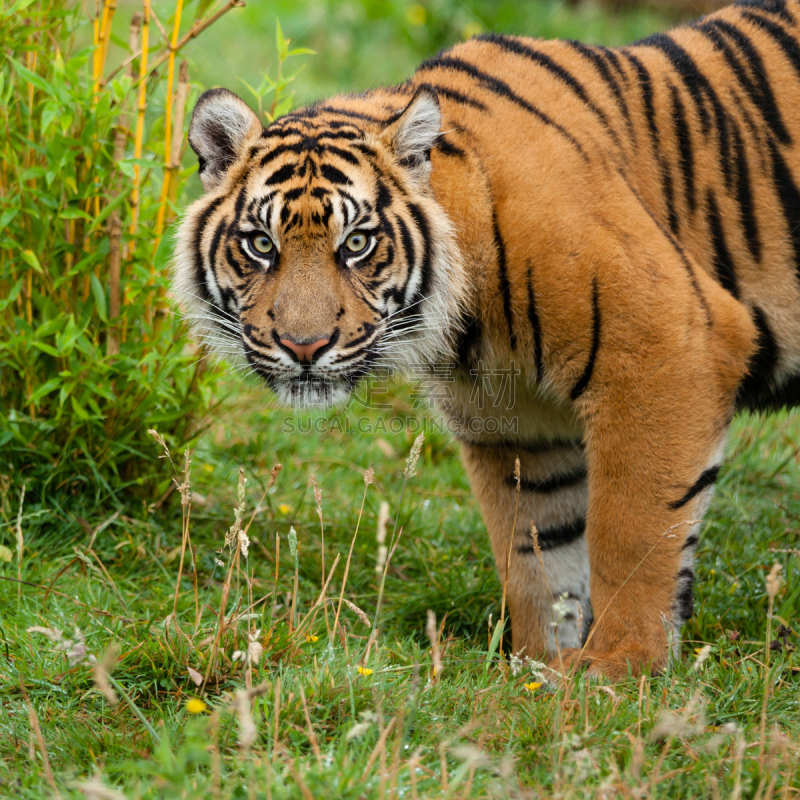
{"x":114,"y":221}
{"x":109,"y":9}
{"x":140,"y":111}
{"x":181,"y":97}
{"x":160,"y":217}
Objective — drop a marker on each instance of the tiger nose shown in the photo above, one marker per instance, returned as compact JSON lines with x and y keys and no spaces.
{"x":304,"y":351}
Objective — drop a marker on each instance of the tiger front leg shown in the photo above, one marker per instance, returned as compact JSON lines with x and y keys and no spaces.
{"x":655,"y":436}
{"x":547,"y":594}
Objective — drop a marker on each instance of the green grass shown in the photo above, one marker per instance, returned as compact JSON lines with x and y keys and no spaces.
{"x":474,"y":730}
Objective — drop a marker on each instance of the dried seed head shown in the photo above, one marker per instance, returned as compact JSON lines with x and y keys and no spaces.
{"x":433,"y":635}
{"x":293,"y":542}
{"x":160,"y":439}
{"x":100,"y":672}
{"x":413,"y":457}
{"x":95,"y":789}
{"x":273,"y":476}
{"x":535,"y":537}
{"x":517,"y":471}
{"x":357,"y":611}
{"x":380,"y":537}
{"x":702,"y":656}
{"x":317,"y":495}
{"x":242,"y":482}
{"x":244,"y":543}
{"x":774,"y":581}
{"x":369,"y":475}
{"x":247,"y":728}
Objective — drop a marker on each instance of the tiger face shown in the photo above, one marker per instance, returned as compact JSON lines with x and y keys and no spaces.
{"x":318,"y":252}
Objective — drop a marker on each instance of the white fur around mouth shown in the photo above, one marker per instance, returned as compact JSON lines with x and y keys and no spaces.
{"x":312,"y":394}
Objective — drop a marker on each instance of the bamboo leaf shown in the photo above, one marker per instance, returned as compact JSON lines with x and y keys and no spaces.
{"x":99,"y":294}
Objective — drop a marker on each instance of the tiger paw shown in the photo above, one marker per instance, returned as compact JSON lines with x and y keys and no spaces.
{"x":613,"y":665}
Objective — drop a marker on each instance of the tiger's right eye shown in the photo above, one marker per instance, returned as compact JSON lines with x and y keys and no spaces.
{"x":261,"y":243}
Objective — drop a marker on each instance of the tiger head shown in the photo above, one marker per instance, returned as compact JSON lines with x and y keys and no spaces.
{"x":318,"y":252}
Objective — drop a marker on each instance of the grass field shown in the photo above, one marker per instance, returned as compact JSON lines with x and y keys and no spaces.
{"x":163,"y":666}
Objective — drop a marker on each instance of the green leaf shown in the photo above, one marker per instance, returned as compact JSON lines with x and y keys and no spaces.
{"x":73,"y":213}
{"x":7,"y":216}
{"x":12,"y":295}
{"x":494,"y":644}
{"x":103,"y":215}
{"x":99,"y":297}
{"x":46,"y":348}
{"x":37,"y":80}
{"x":30,"y":258}
{"x":45,"y":389}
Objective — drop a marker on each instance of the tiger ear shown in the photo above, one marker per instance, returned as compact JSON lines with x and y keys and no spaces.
{"x":221,"y":124}
{"x":413,"y":135}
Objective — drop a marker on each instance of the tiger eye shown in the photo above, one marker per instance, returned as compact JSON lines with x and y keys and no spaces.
{"x":261,"y":243}
{"x":356,"y":242}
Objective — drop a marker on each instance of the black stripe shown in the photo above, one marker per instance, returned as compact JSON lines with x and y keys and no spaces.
{"x":723,"y":260}
{"x":790,"y":199}
{"x":281,"y":175}
{"x":423,"y":227}
{"x":199,"y":261}
{"x":333,"y":175}
{"x":552,"y":483}
{"x":536,"y":327}
{"x":744,"y":196}
{"x":536,"y":448}
{"x":701,"y":90}
{"x":345,"y":112}
{"x":513,"y":45}
{"x":345,"y":155}
{"x":708,"y":478}
{"x":690,"y":542}
{"x":613,"y":59}
{"x":233,"y":263}
{"x":468,"y":344}
{"x":646,"y":84}
{"x":777,"y":7}
{"x":755,"y":390}
{"x":678,"y":249}
{"x":453,"y":94}
{"x":551,"y":538}
{"x":759,"y":92}
{"x":583,"y":383}
{"x":501,"y":89}
{"x":782,"y":37}
{"x":684,"y":599}
{"x":684,"y":136}
{"x":505,"y":286}
{"x":447,"y":148}
{"x":601,"y":66}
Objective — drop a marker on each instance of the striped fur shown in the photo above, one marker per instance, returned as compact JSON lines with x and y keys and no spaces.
{"x":620,"y":226}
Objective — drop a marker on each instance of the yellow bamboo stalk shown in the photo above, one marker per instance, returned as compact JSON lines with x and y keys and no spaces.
{"x":109,"y":9}
{"x":181,"y":97}
{"x":140,"y":112}
{"x":114,"y":220}
{"x":173,"y":46}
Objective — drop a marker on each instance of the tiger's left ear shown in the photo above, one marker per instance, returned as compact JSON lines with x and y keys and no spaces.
{"x":413,"y":135}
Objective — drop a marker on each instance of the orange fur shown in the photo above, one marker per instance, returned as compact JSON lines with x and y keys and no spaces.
{"x":621,"y":226}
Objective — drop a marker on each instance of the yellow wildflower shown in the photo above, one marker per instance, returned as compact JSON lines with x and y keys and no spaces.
{"x":196,"y":706}
{"x":416,"y":15}
{"x":284,"y":509}
{"x":532,"y":687}
{"x":365,"y":671}
{"x":312,"y":638}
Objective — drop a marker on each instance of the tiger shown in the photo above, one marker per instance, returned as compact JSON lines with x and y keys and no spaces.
{"x":621,"y":226}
